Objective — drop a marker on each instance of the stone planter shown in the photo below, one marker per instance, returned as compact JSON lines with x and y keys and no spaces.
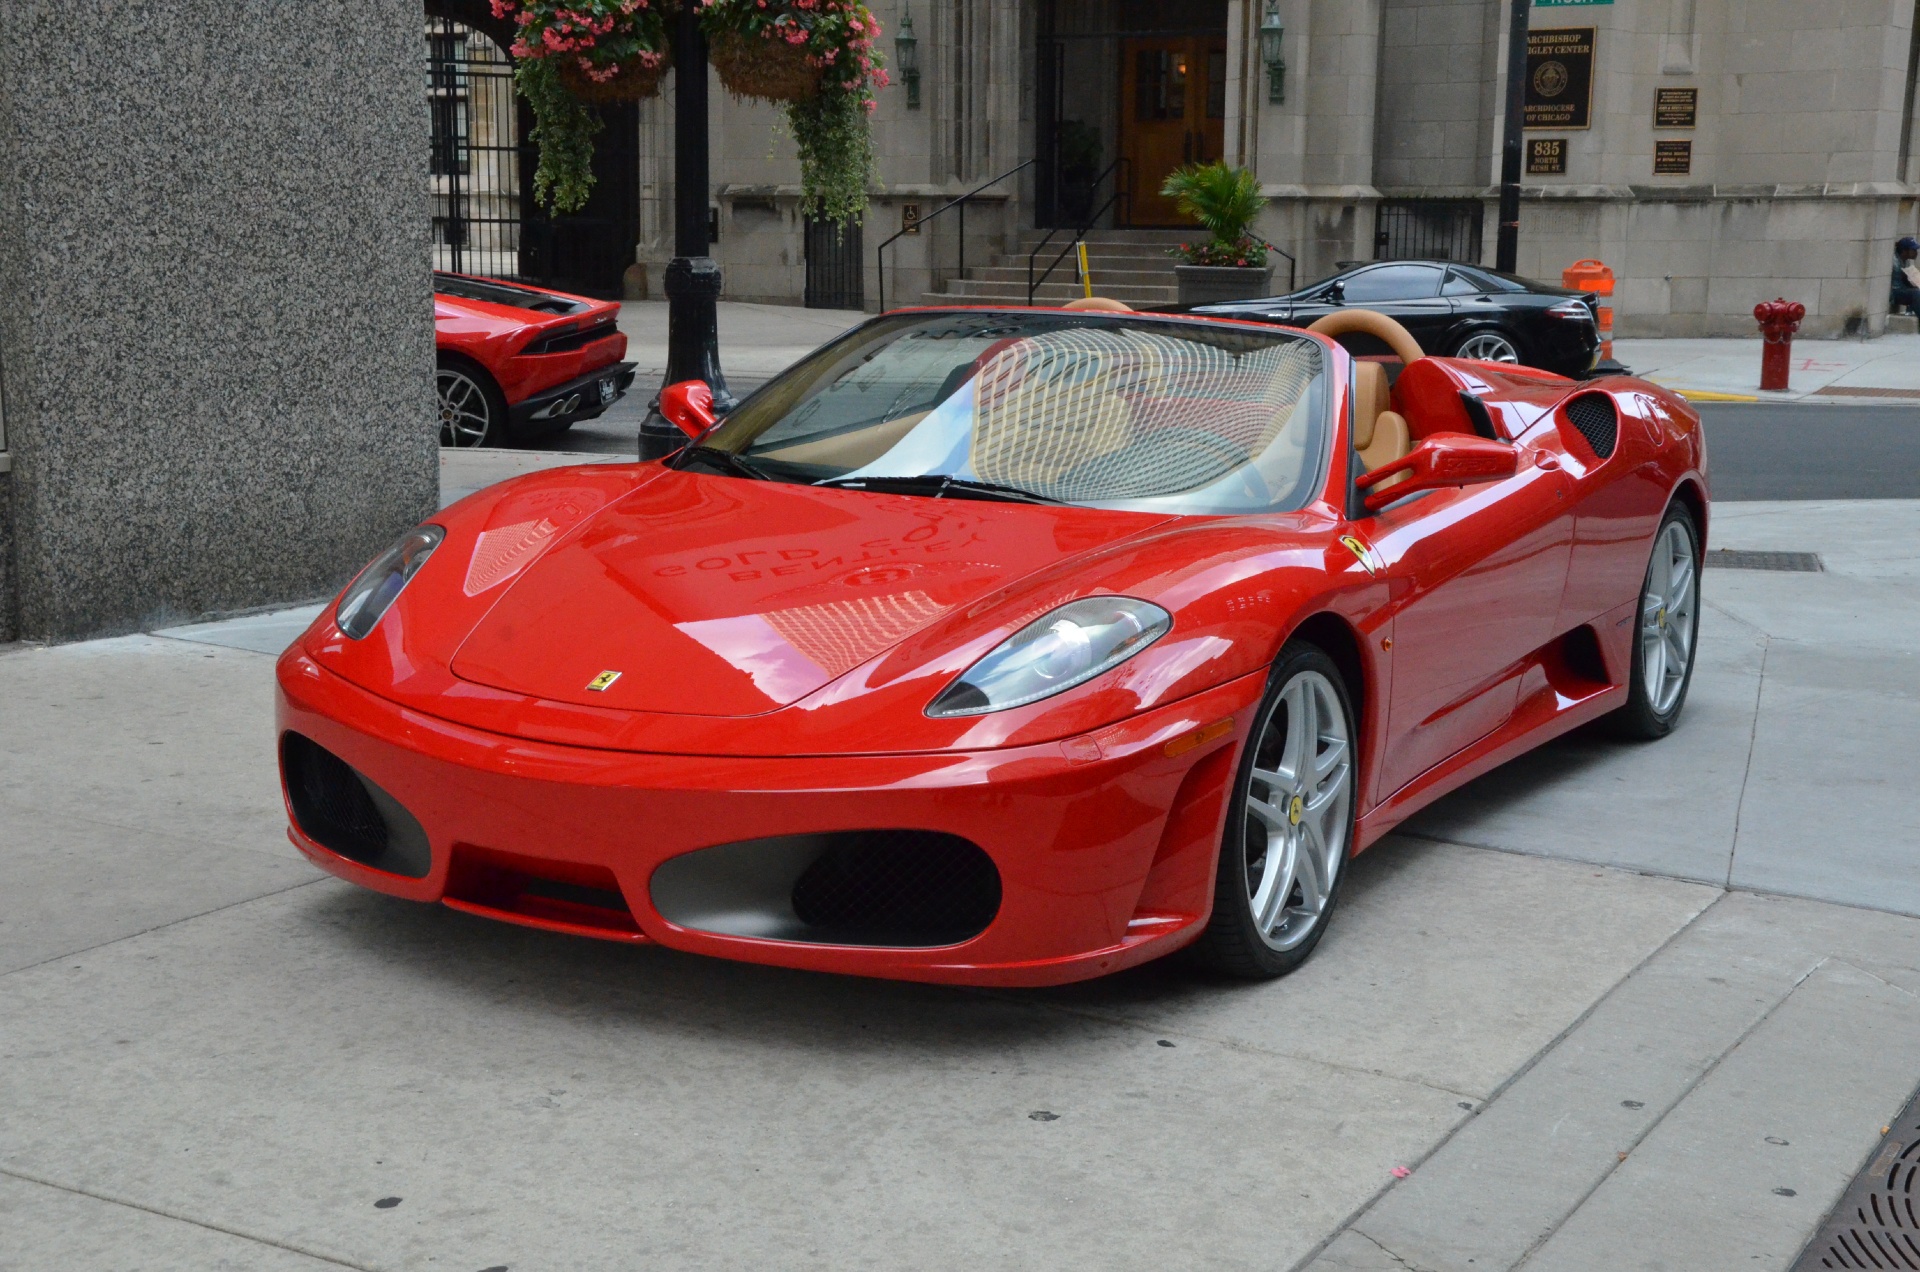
{"x":1210,"y":284}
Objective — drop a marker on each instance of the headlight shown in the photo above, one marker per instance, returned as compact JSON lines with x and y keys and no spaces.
{"x":373,"y":592}
{"x":1050,"y":655}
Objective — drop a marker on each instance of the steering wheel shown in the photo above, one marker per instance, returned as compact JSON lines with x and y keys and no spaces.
{"x":1343,"y":321}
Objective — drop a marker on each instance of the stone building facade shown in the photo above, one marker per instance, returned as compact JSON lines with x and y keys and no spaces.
{"x":1783,"y":161}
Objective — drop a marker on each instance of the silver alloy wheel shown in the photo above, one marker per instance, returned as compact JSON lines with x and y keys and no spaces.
{"x":1489,"y":346}
{"x":1298,"y":810}
{"x":465,"y":415}
{"x":1667,"y":610}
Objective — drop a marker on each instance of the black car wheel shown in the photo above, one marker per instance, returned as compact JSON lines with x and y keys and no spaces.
{"x":473,"y":411}
{"x":1488,"y":346}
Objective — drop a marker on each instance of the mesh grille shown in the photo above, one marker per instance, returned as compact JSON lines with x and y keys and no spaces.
{"x":332,"y":807}
{"x":1092,"y":414}
{"x":929,"y":887}
{"x":1594,"y":416}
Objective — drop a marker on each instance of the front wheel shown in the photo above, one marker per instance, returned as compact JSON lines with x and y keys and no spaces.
{"x":1290,"y":827}
{"x":1488,"y":346}
{"x":1668,"y":631}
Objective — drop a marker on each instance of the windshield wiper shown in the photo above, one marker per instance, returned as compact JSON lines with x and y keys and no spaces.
{"x":938,"y":485}
{"x":724,"y":460}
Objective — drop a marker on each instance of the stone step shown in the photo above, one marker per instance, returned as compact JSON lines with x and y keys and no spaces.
{"x":1132,"y":277}
{"x":1028,"y":238}
{"x":967,"y":291}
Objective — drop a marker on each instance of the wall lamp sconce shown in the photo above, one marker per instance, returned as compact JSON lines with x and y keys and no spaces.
{"x":1272,"y":41}
{"x":906,"y":55}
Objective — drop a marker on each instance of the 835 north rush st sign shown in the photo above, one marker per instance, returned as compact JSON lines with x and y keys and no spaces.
{"x":1560,"y":78}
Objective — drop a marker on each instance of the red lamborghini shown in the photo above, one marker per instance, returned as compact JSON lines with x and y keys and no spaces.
{"x":518,"y":364}
{"x":1001,"y":647}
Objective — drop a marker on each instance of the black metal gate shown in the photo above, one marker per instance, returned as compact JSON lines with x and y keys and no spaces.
{"x":835,"y":278}
{"x":475,"y":163}
{"x":485,"y":220}
{"x":1428,"y":229}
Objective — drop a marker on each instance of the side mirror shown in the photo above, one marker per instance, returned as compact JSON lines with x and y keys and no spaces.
{"x":1336,"y":294}
{"x":1440,"y":462}
{"x":688,"y":406}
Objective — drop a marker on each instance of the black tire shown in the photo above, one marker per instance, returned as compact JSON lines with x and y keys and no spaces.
{"x":473,"y":410}
{"x":1642,"y":718}
{"x":1233,"y":943}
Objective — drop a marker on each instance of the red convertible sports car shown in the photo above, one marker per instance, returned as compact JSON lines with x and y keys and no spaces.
{"x":518,"y":364}
{"x":1004,"y":647}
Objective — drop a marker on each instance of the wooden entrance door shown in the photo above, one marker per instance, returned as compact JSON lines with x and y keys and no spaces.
{"x":1173,"y":111}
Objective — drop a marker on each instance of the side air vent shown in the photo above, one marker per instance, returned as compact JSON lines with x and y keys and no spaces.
{"x":899,"y":888}
{"x":342,"y":811}
{"x":1593,"y":414}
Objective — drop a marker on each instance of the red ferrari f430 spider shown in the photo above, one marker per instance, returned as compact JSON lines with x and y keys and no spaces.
{"x":1004,"y":647}
{"x":518,"y":364}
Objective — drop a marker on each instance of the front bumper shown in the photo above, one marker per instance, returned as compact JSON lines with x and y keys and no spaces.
{"x":578,"y":399}
{"x":1105,"y":844}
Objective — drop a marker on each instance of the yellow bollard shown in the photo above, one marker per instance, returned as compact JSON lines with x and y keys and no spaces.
{"x":1086,"y":278}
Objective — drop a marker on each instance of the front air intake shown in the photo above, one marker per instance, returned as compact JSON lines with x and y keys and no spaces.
{"x":342,"y":811}
{"x":1594,"y":415}
{"x":898,"y":888}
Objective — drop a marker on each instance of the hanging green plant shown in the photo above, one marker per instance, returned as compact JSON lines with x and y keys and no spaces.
{"x":570,"y":53}
{"x":817,"y":58}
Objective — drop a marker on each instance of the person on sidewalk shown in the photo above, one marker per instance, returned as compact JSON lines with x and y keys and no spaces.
{"x":1906,"y":275}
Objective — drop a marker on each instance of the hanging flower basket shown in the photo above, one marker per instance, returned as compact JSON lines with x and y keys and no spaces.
{"x":767,"y":68}
{"x":570,"y":54}
{"x":817,"y":58}
{"x":631,"y":81}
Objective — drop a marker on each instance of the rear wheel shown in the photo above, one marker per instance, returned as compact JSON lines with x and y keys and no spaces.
{"x":1488,"y":346}
{"x":1290,"y":827}
{"x":473,"y":411}
{"x":1668,"y":631}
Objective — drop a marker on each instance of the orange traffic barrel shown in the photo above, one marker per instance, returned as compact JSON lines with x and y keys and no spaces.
{"x":1592,"y":276}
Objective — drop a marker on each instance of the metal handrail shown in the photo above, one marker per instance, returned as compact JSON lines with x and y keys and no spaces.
{"x":879,"y":253}
{"x":1292,"y":265}
{"x":1120,"y":191}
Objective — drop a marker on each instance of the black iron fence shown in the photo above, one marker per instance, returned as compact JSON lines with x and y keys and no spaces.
{"x":836,"y":277}
{"x":475,"y":163}
{"x":1428,"y":229}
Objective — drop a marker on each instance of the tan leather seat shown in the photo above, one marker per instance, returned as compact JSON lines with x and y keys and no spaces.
{"x":1099,"y":304}
{"x":1380,"y":435}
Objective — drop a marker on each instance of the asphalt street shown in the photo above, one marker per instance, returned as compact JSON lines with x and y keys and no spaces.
{"x":1796,"y":451}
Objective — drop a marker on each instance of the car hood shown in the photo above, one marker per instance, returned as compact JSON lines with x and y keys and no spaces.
{"x":718,"y":596}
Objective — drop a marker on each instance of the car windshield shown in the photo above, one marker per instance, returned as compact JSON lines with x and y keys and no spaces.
{"x":1080,"y":408}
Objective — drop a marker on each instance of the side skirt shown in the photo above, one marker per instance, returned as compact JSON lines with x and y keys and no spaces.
{"x":1557,"y":694}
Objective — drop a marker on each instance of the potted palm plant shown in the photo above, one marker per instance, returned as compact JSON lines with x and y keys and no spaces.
{"x":1232,"y":263}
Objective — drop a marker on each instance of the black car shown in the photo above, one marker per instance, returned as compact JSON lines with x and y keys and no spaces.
{"x":1458,"y":311}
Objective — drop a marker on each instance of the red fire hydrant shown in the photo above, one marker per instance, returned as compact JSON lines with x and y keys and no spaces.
{"x":1778,"y":320}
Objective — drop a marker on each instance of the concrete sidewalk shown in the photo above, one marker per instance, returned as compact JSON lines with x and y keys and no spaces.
{"x":1571,"y":1004}
{"x":1886,"y":370}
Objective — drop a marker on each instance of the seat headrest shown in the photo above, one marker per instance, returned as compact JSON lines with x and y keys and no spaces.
{"x":1371,"y":393}
{"x":1100,"y":303}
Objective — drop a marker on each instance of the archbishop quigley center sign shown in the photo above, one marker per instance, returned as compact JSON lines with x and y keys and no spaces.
{"x":1560,"y":78}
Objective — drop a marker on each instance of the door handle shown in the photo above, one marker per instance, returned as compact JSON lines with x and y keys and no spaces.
{"x":1546,"y":461}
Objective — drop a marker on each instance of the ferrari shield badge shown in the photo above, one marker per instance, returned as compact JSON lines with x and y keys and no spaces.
{"x":1361,"y":552}
{"x":602,"y":682}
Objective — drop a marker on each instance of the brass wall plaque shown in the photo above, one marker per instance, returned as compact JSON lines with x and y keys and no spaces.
{"x":1547,"y":156}
{"x":909,"y":218}
{"x":1676,"y":107}
{"x":1560,"y":78}
{"x":1672,"y":158}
